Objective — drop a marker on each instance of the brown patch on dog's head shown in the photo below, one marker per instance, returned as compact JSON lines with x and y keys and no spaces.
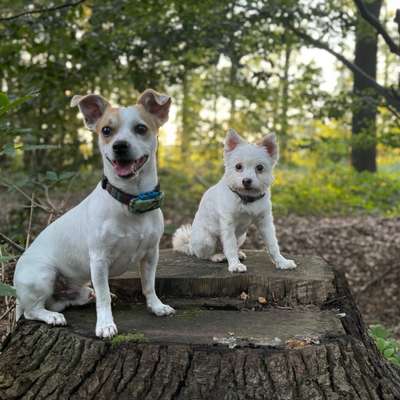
{"x":92,"y":107}
{"x":154,"y":107}
{"x":111,"y":118}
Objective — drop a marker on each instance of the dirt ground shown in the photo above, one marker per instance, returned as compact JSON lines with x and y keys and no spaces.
{"x":365,"y":248}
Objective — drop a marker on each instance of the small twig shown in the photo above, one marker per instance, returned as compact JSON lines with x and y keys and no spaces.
{"x":28,"y":235}
{"x":19,"y":190}
{"x":42,"y":10}
{"x":9,"y":309}
{"x":49,"y":202}
{"x":11,"y":242}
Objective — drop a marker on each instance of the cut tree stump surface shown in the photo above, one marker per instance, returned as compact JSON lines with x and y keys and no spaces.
{"x":307,"y":341}
{"x":193,"y":325}
{"x":178,"y":275}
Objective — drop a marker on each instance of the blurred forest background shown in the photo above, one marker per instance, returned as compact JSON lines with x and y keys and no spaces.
{"x":322,"y":74}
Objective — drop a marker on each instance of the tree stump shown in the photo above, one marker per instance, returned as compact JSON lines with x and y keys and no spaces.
{"x":265,"y":334}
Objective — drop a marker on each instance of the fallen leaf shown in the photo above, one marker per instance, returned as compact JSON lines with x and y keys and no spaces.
{"x":244,"y":296}
{"x":295,"y":343}
{"x":262,"y":300}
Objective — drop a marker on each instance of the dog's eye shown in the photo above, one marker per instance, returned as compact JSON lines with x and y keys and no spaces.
{"x":260,"y":168}
{"x":106,"y":130}
{"x":238,"y":167}
{"x":140,"y":129}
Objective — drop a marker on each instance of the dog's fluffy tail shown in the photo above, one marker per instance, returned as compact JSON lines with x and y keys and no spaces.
{"x":18,"y":311}
{"x":181,"y":240}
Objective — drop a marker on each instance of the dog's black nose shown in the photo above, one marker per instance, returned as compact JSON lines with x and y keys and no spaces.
{"x":247,"y":182}
{"x":120,"y":147}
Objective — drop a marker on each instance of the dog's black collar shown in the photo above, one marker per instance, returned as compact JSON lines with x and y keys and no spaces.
{"x":140,"y":203}
{"x":246,"y":198}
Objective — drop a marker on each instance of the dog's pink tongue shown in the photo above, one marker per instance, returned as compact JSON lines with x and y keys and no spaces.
{"x":123,"y":169}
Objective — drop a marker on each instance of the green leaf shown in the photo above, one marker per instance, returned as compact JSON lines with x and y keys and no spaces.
{"x":66,"y":175}
{"x":379,"y":331}
{"x":388,"y":352}
{"x":4,"y":101}
{"x":52,"y":176}
{"x":4,"y":259}
{"x":4,"y":109}
{"x":8,"y":150}
{"x":7,"y":290}
{"x":381,"y":344}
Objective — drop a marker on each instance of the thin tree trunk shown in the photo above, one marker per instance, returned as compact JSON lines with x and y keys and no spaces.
{"x":185,"y":139}
{"x":363,"y":152}
{"x":232,"y":87}
{"x":285,"y":101}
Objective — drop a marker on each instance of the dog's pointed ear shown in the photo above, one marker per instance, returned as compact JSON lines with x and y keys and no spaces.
{"x":270,"y":144}
{"x":92,"y":107}
{"x":156,"y":104}
{"x":232,"y":140}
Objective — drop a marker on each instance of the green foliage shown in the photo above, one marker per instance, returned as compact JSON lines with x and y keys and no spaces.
{"x":335,"y":191}
{"x":386,"y":344}
{"x":7,"y":290}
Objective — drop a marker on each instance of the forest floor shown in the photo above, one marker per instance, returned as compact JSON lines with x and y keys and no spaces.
{"x":366,"y":248}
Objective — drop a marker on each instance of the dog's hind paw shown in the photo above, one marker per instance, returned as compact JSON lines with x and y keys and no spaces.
{"x":55,"y":318}
{"x":106,"y":331}
{"x":285,"y":264}
{"x":162,"y":310}
{"x":239,"y":267}
{"x":50,"y":317}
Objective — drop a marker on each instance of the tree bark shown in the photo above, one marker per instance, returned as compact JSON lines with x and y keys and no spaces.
{"x":363,"y":152}
{"x":218,"y":348}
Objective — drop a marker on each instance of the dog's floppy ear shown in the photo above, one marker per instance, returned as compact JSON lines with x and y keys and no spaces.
{"x":156,"y":104}
{"x":271,"y":146}
{"x":232,"y":140}
{"x":92,"y":106}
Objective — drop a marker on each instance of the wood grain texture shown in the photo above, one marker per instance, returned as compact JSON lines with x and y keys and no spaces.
{"x":182,"y":276}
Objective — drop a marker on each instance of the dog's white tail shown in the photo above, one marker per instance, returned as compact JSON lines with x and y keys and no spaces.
{"x":181,"y":240}
{"x":18,"y":311}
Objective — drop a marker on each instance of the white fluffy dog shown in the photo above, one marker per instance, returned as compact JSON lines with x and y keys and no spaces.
{"x":119,"y":225}
{"x":240,"y":198}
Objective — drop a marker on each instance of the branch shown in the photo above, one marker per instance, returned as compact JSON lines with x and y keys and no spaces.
{"x":11,"y":242}
{"x":372,"y":20}
{"x":42,"y":10}
{"x":392,"y":99}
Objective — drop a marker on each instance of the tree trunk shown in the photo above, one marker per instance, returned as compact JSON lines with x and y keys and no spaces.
{"x":233,"y":80}
{"x":185,"y":131}
{"x":285,"y":101}
{"x":265,"y":334}
{"x":363,"y":152}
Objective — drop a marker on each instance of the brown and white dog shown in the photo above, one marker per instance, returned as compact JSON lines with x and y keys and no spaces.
{"x":101,"y":237}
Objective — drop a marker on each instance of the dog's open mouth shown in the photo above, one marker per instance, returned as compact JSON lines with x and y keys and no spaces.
{"x":128,"y":168}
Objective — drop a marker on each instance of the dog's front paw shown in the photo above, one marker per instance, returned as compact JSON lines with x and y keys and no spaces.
{"x":106,"y":330}
{"x":218,"y":258}
{"x":283,"y":263}
{"x":55,"y":318}
{"x":239,"y":267}
{"x":161,"y":309}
